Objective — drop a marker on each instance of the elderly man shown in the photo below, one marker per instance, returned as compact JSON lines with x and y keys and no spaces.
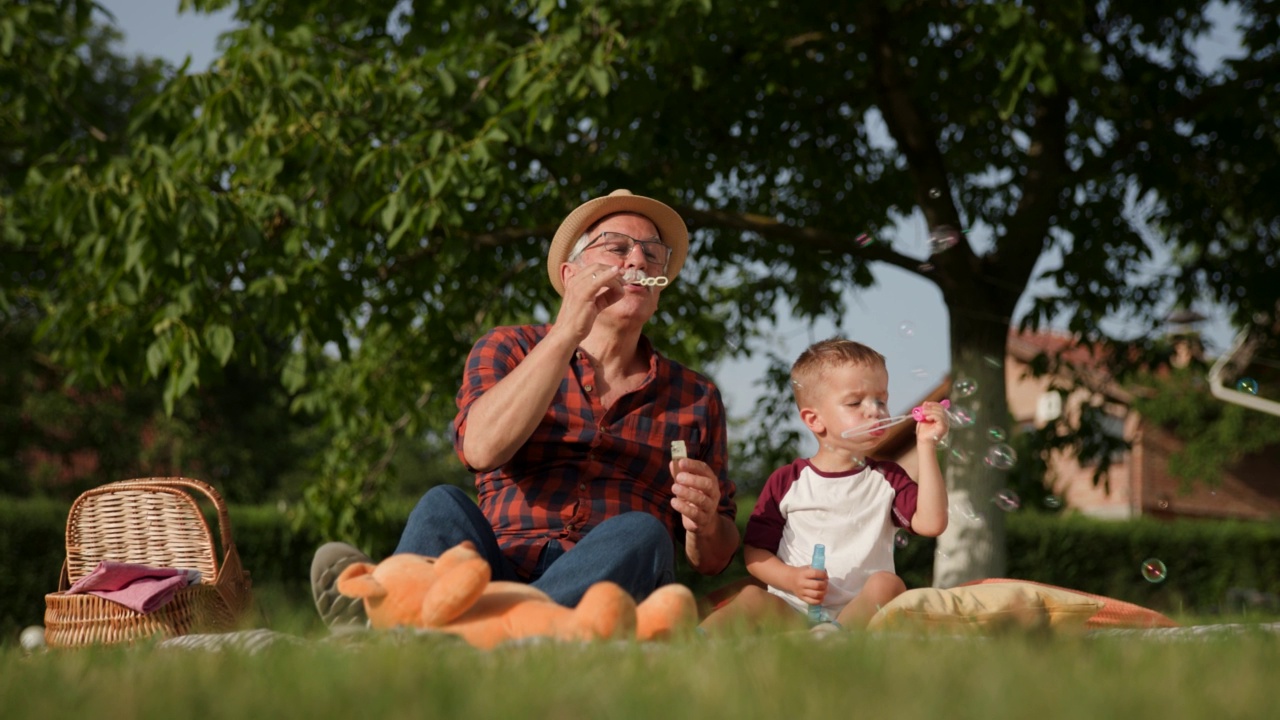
{"x":569,"y":429}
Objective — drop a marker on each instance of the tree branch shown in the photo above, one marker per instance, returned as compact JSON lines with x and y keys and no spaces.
{"x":916,"y":138}
{"x":804,"y":236}
{"x":497,"y":238}
{"x":910,"y":128}
{"x":1047,"y":173}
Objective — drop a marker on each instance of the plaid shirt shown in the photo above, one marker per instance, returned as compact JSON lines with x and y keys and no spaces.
{"x":585,"y":464}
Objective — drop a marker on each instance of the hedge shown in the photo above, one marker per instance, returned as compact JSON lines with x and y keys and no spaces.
{"x":1209,"y":562}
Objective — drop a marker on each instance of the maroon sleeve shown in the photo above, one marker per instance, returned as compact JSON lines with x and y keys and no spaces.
{"x":764,"y":527}
{"x":905,"y":491}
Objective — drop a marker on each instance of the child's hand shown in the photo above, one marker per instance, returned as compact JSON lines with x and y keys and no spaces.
{"x":935,"y":422}
{"x":809,"y":584}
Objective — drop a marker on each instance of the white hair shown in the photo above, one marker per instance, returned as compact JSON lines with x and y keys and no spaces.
{"x":578,"y":247}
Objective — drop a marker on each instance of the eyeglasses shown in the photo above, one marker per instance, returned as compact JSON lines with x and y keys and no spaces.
{"x":655,"y":253}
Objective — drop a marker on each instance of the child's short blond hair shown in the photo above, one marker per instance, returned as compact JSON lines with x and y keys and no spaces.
{"x":807,"y":371}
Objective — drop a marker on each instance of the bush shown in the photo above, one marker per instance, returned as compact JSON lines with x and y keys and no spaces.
{"x":33,"y":545}
{"x":1208,"y":561}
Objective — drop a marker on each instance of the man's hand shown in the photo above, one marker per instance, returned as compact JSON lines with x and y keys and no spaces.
{"x":587,"y":292}
{"x":697,"y":495}
{"x":809,"y":584}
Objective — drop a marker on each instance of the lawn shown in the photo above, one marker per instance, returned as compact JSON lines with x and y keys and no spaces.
{"x":398,"y":675}
{"x":390,"y":675}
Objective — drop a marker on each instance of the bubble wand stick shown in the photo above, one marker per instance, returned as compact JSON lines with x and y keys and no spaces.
{"x":917,"y":414}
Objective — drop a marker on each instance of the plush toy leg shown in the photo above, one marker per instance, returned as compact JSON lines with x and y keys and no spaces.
{"x":605,"y":611}
{"x":669,"y":610}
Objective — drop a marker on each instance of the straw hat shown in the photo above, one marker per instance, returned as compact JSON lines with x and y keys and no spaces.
{"x":671,"y":229}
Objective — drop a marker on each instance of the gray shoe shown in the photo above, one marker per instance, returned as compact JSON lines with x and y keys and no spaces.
{"x":337,"y":610}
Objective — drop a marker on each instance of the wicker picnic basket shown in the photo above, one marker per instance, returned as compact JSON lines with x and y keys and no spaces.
{"x":150,"y":521}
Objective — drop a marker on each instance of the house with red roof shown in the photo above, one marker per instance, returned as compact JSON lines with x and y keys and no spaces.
{"x":1138,"y":481}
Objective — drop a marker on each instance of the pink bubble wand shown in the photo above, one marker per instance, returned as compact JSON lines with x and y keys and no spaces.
{"x":917,"y":412}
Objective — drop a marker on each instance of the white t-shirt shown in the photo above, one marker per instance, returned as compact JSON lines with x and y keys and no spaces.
{"x":853,"y":514}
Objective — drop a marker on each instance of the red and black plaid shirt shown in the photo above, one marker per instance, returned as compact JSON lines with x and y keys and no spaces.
{"x":585,"y":464}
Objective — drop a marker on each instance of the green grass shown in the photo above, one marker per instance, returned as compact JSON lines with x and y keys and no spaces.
{"x":775,"y":676}
{"x":285,"y":609}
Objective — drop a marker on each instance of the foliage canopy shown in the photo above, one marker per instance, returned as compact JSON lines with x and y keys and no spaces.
{"x":372,"y":183}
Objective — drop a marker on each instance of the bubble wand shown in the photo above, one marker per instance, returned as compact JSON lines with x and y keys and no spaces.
{"x":635,"y":276}
{"x":917,"y":414}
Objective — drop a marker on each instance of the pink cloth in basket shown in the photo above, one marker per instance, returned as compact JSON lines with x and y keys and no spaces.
{"x":140,"y":588}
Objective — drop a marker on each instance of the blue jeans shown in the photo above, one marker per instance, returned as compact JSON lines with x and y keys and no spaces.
{"x":633,"y":549}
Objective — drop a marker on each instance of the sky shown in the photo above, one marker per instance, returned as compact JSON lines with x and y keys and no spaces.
{"x":903,"y":316}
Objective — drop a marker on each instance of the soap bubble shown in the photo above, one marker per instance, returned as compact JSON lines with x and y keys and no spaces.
{"x":996,"y":434}
{"x":1053,"y":502}
{"x":1007,"y":500}
{"x":906,"y":328}
{"x":935,"y":193}
{"x":991,"y":360}
{"x":960,"y":416}
{"x":1154,"y":571}
{"x":964,"y":387}
{"x":943,"y":442}
{"x":863,"y":240}
{"x":959,"y":456}
{"x":920,"y":372}
{"x":942,"y":238}
{"x":1247,"y":385}
{"x":900,"y":538}
{"x":1001,"y":457}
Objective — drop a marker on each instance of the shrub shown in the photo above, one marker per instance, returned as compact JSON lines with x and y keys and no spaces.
{"x":1208,"y":561}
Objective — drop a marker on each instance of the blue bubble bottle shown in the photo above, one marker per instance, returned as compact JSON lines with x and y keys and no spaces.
{"x":819,"y":562}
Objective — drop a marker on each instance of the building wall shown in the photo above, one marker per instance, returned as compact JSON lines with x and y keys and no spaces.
{"x":1249,"y":490}
{"x":1111,"y":497}
{"x":1139,"y":480}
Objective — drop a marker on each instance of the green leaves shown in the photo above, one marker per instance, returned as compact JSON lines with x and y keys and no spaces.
{"x":347,"y":210}
{"x":599,"y":79}
{"x":1213,"y":435}
{"x":157,"y":357}
{"x":293,"y":376}
{"x":8,"y":33}
{"x":389,"y":210}
{"x":220,"y":341}
{"x":447,"y":84}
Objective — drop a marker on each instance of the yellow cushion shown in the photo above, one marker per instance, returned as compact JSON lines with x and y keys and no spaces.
{"x":987,"y":607}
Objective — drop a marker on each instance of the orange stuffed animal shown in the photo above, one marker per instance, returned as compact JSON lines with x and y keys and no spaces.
{"x":453,"y":594}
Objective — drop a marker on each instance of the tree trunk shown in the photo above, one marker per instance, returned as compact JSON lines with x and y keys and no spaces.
{"x":973,"y":546}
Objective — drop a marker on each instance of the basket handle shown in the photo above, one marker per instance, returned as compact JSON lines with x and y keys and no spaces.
{"x":64,"y":577}
{"x":224,"y":517}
